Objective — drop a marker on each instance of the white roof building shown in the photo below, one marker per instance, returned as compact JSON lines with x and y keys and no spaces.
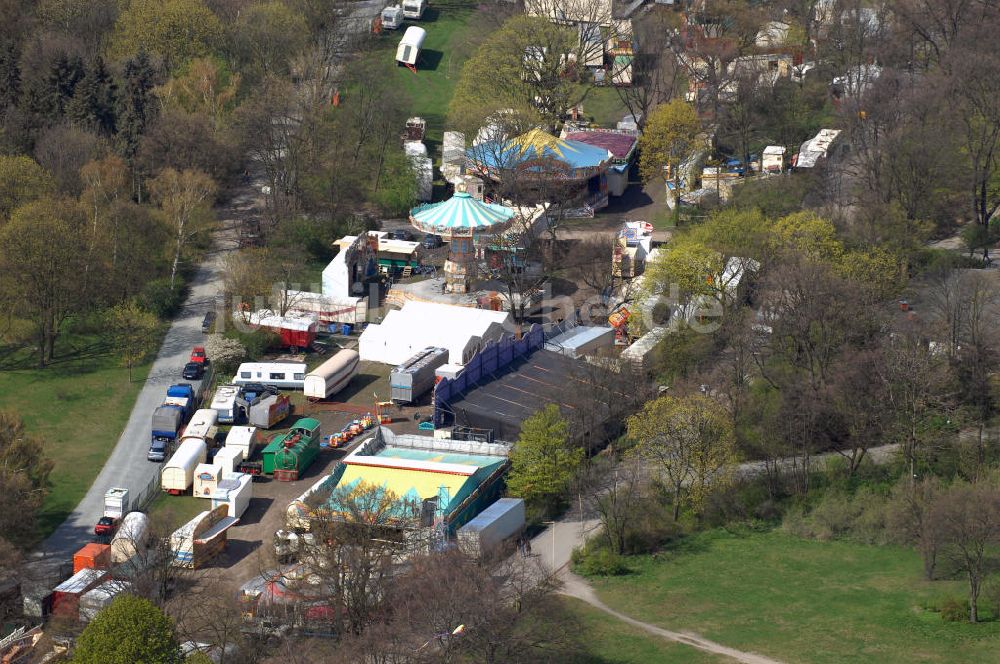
{"x":404,"y":332}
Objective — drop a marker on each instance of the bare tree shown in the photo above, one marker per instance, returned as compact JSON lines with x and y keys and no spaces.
{"x":617,"y":505}
{"x":966,"y":519}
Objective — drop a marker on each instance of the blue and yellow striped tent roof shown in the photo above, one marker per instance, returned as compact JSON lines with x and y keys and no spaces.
{"x":538,"y":144}
{"x":461,"y":211}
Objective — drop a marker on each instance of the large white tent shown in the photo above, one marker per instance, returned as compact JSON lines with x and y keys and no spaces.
{"x":403,"y":333}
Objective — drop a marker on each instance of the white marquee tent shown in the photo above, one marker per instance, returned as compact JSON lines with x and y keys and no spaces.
{"x":403,"y":333}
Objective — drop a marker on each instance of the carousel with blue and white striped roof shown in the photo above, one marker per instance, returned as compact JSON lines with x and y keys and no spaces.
{"x":466,"y":223}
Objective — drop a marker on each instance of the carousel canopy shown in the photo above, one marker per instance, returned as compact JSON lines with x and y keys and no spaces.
{"x":461,"y":213}
{"x":539,"y":145}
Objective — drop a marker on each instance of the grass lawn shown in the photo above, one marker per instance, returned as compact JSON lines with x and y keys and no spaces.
{"x":174,"y":511}
{"x":605,"y":106}
{"x":605,"y":640}
{"x":78,"y":405}
{"x":454,"y":30}
{"x":801,"y":600}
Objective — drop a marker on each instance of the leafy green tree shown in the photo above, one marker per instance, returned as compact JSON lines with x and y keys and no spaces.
{"x":267,"y":35}
{"x":691,"y":440}
{"x":22,"y":180}
{"x":132,"y":332}
{"x":42,"y":255}
{"x":24,"y":476}
{"x":667,"y":140}
{"x":185,"y":199}
{"x":174,"y":30}
{"x":131,"y":629}
{"x":518,"y":68}
{"x":543,"y":462}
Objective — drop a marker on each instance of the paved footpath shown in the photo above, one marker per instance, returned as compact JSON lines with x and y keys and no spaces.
{"x":127,"y":466}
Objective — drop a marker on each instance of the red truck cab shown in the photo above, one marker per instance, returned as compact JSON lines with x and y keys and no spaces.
{"x":106,"y":526}
{"x":198,"y":355}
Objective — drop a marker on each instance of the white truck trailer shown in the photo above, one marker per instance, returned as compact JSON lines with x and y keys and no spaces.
{"x":177,"y":474}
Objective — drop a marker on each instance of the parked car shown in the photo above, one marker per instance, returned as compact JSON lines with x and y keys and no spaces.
{"x":106,"y":526}
{"x":193,"y":371}
{"x":198,"y":355}
{"x":432,"y":241}
{"x":401,"y":234}
{"x":206,"y":322}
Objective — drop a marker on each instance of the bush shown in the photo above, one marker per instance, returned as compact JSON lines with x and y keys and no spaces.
{"x":838,"y":514}
{"x":256,"y":343}
{"x":598,"y":562}
{"x":955,"y":610}
{"x":157,"y":296}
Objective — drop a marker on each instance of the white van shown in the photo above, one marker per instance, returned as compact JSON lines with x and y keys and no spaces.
{"x":414,"y":9}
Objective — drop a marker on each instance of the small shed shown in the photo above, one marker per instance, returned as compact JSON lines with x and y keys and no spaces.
{"x":93,"y":601}
{"x":582,"y":340}
{"x":773,"y":160}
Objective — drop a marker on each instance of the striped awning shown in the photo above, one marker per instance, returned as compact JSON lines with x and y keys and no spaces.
{"x":460,"y":213}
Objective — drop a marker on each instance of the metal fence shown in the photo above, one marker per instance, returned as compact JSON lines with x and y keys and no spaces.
{"x":146,"y":495}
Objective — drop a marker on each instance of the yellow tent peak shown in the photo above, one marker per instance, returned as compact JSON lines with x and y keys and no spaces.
{"x":539,"y":140}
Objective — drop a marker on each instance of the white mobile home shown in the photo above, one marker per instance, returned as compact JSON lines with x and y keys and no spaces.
{"x":392,"y":18}
{"x":409,"y":47}
{"x":414,"y":9}
{"x":283,"y":375}
{"x":178,"y":473}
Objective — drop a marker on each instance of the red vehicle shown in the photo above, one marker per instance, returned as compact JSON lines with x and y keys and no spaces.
{"x":106,"y":526}
{"x":198,"y":355}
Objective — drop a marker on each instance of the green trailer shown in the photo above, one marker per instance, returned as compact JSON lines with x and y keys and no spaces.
{"x":291,"y":454}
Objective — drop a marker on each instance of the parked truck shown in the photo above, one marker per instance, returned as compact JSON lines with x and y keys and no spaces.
{"x":115,"y":506}
{"x":413,"y":378}
{"x":498,"y":524}
{"x":169,"y":419}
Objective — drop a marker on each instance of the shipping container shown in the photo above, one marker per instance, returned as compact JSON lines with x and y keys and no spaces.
{"x":448,"y":371}
{"x":293,"y":452}
{"x":413,"y":378}
{"x":224,"y":403}
{"x":92,"y":556}
{"x":486,"y":534}
{"x":132,"y":536}
{"x":93,"y":601}
{"x":177,"y":474}
{"x":201,"y":539}
{"x":66,"y":596}
{"x":244,"y":439}
{"x":229,"y":458}
{"x":332,"y":376}
{"x":206,"y":478}
{"x":234,"y":491}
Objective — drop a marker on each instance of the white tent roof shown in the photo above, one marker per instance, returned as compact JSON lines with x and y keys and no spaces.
{"x":462,"y":330}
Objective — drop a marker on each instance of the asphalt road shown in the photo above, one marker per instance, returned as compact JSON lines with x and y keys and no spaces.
{"x":127,"y":466}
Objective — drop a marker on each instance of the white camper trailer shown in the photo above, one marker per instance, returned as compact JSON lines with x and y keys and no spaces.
{"x":414,"y":9}
{"x":234,"y":491}
{"x":392,"y":18}
{"x":283,"y":375}
{"x":244,"y":439}
{"x":178,"y":473}
{"x":224,"y":403}
{"x":332,"y":376}
{"x":409,"y":47}
{"x":228,"y":458}
{"x":206,"y":479}
{"x":202,"y":426}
